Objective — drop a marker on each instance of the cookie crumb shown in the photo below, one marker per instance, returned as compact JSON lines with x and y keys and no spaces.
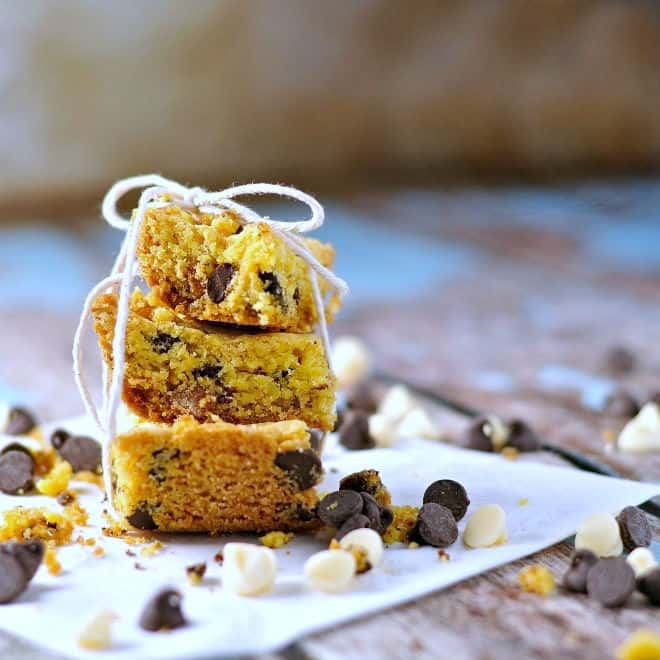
{"x":98,"y":551}
{"x":405,"y":519}
{"x":138,"y":566}
{"x":152,"y":549}
{"x":218,"y":557}
{"x":23,"y":524}
{"x":536,"y":579}
{"x":196,"y":572}
{"x":443,"y":555}
{"x":56,"y":481}
{"x":52,"y":563}
{"x":276,"y":539}
{"x":413,"y":545}
{"x":76,"y":513}
{"x":510,"y":453}
{"x":523,"y":501}
{"x":96,"y":636}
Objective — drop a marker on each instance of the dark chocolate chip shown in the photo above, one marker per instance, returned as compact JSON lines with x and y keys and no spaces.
{"x":141,"y":519}
{"x":354,"y":432}
{"x":611,"y":581}
{"x":163,"y":612}
{"x":620,"y":360}
{"x":58,"y":438}
{"x":207,"y":371}
{"x":635,"y":529}
{"x":371,"y":509}
{"x":450,"y":494}
{"x":478,"y":435}
{"x":12,"y":577}
{"x":621,"y":404}
{"x":362,"y":397}
{"x":29,"y":555}
{"x":16,"y":469}
{"x":219,"y":282}
{"x":649,"y":585}
{"x":435,"y":526}
{"x":339,"y":419}
{"x":335,"y":508}
{"x":302,"y":465}
{"x":296,"y":295}
{"x":163,"y":342}
{"x":82,"y":452}
{"x":386,"y":518}
{"x":20,"y":422}
{"x":303,"y":513}
{"x":16,"y":446}
{"x":365,"y":481}
{"x":316,"y":440}
{"x":521,"y":437}
{"x":575,"y":578}
{"x":357,"y":521}
{"x":273,"y":287}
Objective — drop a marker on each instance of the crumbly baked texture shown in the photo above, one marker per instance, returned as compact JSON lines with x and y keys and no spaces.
{"x":210,"y":268}
{"x":216,"y":478}
{"x":216,"y":373}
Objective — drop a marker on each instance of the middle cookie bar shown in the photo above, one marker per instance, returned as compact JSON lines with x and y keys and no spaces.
{"x":213,"y":372}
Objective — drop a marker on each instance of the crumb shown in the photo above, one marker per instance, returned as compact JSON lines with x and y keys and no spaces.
{"x":96,"y":634}
{"x":413,"y":545}
{"x":44,"y":461}
{"x":138,"y":566}
{"x":130,"y":553}
{"x":510,"y":453}
{"x":50,"y":560}
{"x":196,"y":573}
{"x":443,"y":555}
{"x":98,"y":551}
{"x":75,"y":513}
{"x":405,"y":518}
{"x":643,"y":644}
{"x":151,"y":549}
{"x":56,"y":481}
{"x":218,"y":557}
{"x":536,"y":579}
{"x":67,"y":497}
{"x":523,"y":501}
{"x":276,"y":539}
{"x":22,"y":524}
{"x":81,"y":540}
{"x":334,"y":470}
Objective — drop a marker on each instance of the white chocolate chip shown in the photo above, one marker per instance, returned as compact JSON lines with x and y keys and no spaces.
{"x":497,"y":431}
{"x":417,"y":424}
{"x":641,"y":560}
{"x":5,"y":409}
{"x":396,"y":403}
{"x":351,"y":361}
{"x":248,"y":570}
{"x":367,"y":539}
{"x":642,"y":433}
{"x":331,"y":570}
{"x":382,"y":430}
{"x":97,"y":634}
{"x":486,"y":527}
{"x":600,"y":534}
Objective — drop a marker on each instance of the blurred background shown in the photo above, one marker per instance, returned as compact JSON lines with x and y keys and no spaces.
{"x":489,"y":171}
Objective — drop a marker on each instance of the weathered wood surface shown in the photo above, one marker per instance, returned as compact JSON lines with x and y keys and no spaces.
{"x":505,"y":291}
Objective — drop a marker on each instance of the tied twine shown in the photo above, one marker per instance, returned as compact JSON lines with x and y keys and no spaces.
{"x":124,"y":272}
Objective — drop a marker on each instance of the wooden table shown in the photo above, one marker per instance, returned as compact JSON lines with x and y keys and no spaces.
{"x":507,"y":298}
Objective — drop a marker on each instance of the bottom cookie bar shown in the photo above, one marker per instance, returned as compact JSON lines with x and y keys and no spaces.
{"x":216,"y":477}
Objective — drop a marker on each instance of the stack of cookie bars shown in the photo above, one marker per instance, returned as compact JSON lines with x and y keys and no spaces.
{"x":231,"y":385}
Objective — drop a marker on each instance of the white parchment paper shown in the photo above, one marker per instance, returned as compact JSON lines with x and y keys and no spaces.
{"x":54,"y":609}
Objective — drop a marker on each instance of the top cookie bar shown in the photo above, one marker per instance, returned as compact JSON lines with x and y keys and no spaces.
{"x":212,"y":268}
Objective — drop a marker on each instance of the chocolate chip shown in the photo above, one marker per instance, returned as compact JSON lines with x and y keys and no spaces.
{"x":16,"y":469}
{"x":219,"y":282}
{"x":386,"y":518}
{"x":365,"y":481}
{"x":371,"y":509}
{"x":302,"y":465}
{"x":620,"y":360}
{"x":649,"y":585}
{"x":335,"y":508}
{"x":435,"y":526}
{"x":207,"y":371}
{"x":476,"y":435}
{"x":196,"y":570}
{"x":621,"y":403}
{"x":163,"y":612}
{"x":272,"y":286}
{"x":611,"y":581}
{"x":12,"y":577}
{"x":357,"y":521}
{"x":635,"y":529}
{"x":141,"y":519}
{"x":339,"y":419}
{"x":316,"y":439}
{"x":163,"y":342}
{"x":362,"y":397}
{"x":65,"y":498}
{"x":58,"y":437}
{"x":16,"y":446}
{"x":20,"y":422}
{"x":82,"y":452}
{"x":575,"y":578}
{"x":29,"y":555}
{"x":450,"y":494}
{"x":521,"y":437}
{"x":354,"y":432}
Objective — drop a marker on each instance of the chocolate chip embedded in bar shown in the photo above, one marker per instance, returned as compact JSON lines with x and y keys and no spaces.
{"x":163,"y":612}
{"x":219,"y":282}
{"x":435,"y":526}
{"x":16,"y":471}
{"x":303,"y":466}
{"x":611,"y":581}
{"x":141,"y":518}
{"x":575,"y":578}
{"x":450,"y":494}
{"x":635,"y":529}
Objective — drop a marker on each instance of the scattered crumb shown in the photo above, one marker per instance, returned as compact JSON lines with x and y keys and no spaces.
{"x":443,"y":555}
{"x":44,"y":461}
{"x":510,"y":453}
{"x":81,"y":540}
{"x":523,"y":501}
{"x":334,"y":470}
{"x":362,"y":563}
{"x":138,"y":566}
{"x":56,"y":481}
{"x":276,"y":539}
{"x":96,"y":634}
{"x":130,"y":553}
{"x":413,"y":545}
{"x":643,"y":644}
{"x":218,"y":557}
{"x":66,"y":498}
{"x":196,"y":573}
{"x":536,"y":579}
{"x":151,"y":549}
{"x":75,"y":513}
{"x":50,"y":560}
{"x":98,"y":551}
{"x":405,"y":518}
{"x":22,"y":524}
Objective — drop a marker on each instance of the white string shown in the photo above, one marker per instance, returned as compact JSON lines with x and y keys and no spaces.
{"x":158,"y":192}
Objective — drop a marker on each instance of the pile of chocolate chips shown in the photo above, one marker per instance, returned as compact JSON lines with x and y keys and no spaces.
{"x":611,"y":580}
{"x":353,"y":420}
{"x":18,"y":564}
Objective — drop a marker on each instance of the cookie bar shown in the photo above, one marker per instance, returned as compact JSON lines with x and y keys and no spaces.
{"x":211,"y":268}
{"x":217,"y":477}
{"x":214,"y":372}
